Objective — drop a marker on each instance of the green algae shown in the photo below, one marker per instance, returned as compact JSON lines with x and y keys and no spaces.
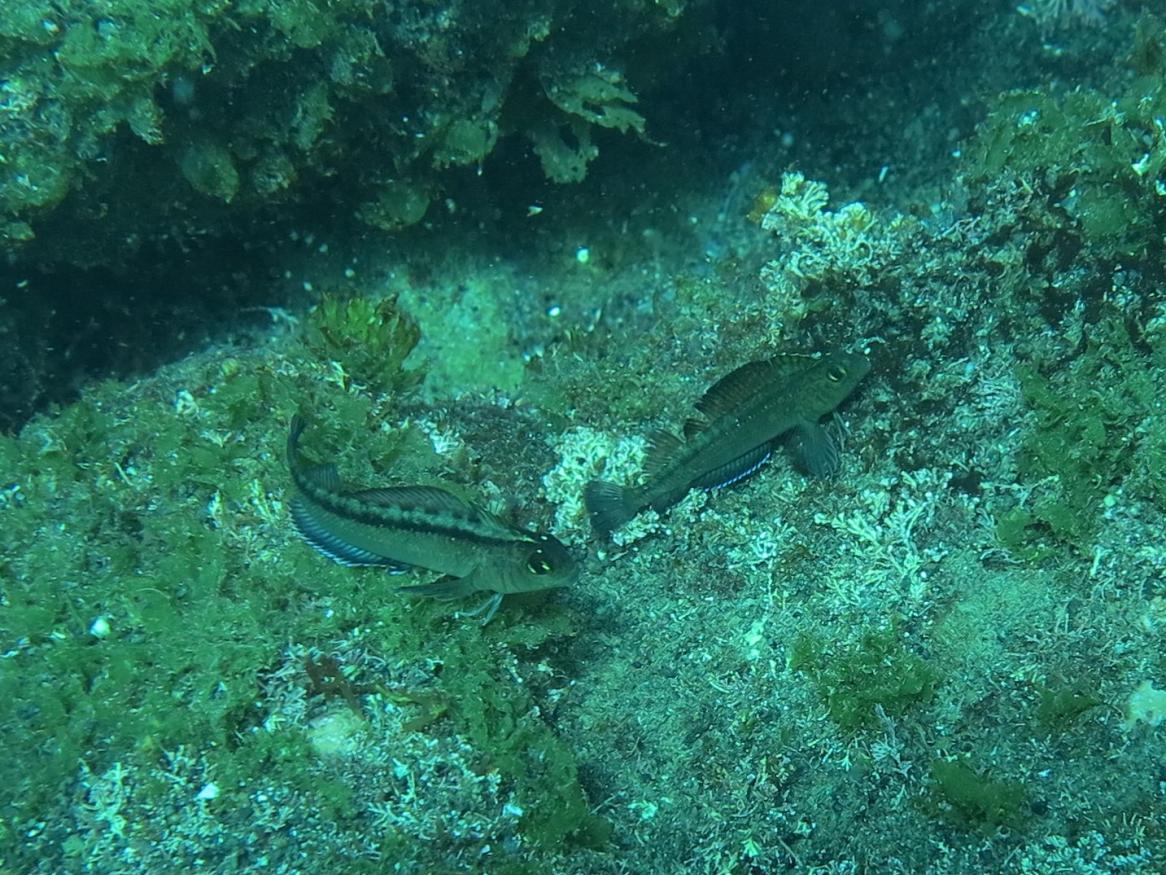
{"x":234,"y":107}
{"x":210,"y":170}
{"x":1097,"y":434}
{"x":1059,"y":706}
{"x":369,"y":340}
{"x":974,"y":800}
{"x":396,"y":204}
{"x":876,"y":672}
{"x":1094,"y":158}
{"x":154,"y":583}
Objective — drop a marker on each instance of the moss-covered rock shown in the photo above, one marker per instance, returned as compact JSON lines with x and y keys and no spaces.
{"x":152,"y":587}
{"x":258,"y":101}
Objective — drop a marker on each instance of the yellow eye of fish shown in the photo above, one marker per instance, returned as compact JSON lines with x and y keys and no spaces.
{"x":836,"y":373}
{"x":537,"y":563}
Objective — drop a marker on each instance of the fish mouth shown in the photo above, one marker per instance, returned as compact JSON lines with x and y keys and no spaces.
{"x":572,"y":576}
{"x":568,"y":576}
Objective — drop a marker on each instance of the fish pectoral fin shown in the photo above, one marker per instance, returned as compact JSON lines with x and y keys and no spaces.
{"x":815,"y":449}
{"x":443,"y":588}
{"x":486,"y":610}
{"x":457,"y":587}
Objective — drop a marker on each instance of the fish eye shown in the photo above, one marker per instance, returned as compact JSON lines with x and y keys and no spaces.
{"x":836,"y":373}
{"x":537,"y":563}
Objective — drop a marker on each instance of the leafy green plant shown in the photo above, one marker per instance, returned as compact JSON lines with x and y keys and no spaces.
{"x":1097,"y":432}
{"x":878,"y":670}
{"x":964,"y":795}
{"x":1088,"y":155}
{"x":369,"y":339}
{"x":1059,"y":707}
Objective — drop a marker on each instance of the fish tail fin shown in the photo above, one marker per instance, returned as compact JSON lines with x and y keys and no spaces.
{"x":609,"y":504}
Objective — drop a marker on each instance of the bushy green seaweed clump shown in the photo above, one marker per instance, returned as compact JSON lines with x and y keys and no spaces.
{"x":1098,"y":438}
{"x":1095,"y":162}
{"x":969,"y":798}
{"x":1060,"y":706}
{"x":368,"y":339}
{"x":877,"y":670}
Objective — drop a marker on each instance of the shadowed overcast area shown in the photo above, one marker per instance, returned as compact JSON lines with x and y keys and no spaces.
{"x":142,"y":260}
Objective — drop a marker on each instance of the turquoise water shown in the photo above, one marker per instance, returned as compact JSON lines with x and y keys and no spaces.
{"x":497,"y":249}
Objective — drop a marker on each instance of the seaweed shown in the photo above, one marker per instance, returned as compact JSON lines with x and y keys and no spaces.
{"x":369,"y":340}
{"x":971,"y":799}
{"x":1059,"y":707}
{"x":1096,"y":435}
{"x":875,"y":672}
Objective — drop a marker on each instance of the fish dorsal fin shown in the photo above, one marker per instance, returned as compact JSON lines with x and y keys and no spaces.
{"x":663,"y":448}
{"x":734,"y":390}
{"x":325,"y":477}
{"x":440,"y":504}
{"x":430,"y":498}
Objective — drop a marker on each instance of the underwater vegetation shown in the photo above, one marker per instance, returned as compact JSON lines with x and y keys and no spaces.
{"x":945,"y":657}
{"x":1101,"y":162}
{"x":367,"y":341}
{"x":877,"y":672}
{"x":1097,"y":435}
{"x":1060,"y":706}
{"x":152,"y":587}
{"x":972,"y":798}
{"x":201,"y":114}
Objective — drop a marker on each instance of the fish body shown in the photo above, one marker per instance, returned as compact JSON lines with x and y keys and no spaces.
{"x":743,"y":415}
{"x":405,"y":527}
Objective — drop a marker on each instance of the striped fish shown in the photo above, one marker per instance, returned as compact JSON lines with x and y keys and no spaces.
{"x":406,"y":527}
{"x":742,"y":416}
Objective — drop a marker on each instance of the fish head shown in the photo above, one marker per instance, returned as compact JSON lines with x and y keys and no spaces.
{"x":828,"y":383}
{"x":542,"y":562}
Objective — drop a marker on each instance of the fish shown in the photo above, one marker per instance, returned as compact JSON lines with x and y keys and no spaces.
{"x":741,"y":417}
{"x":422,"y":527}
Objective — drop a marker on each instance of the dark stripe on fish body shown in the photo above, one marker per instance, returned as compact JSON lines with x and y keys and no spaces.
{"x":415,"y":519}
{"x":421,"y":520}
